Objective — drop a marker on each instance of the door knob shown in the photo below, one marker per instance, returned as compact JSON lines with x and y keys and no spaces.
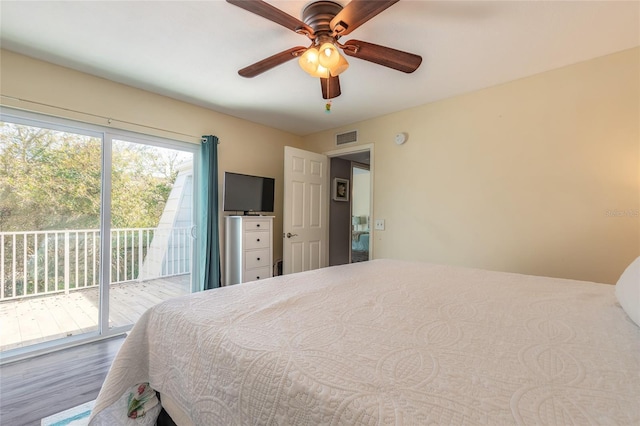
{"x":289,"y":235}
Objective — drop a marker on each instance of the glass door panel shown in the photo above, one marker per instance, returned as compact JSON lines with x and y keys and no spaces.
{"x":151,"y":228}
{"x":50,"y":192}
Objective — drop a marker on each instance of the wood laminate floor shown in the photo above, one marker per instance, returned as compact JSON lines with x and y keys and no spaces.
{"x":47,"y":384}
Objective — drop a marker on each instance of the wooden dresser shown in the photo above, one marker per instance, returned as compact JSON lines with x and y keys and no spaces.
{"x":248,"y":248}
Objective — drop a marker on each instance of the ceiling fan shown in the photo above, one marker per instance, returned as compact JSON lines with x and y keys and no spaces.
{"x":324,"y":22}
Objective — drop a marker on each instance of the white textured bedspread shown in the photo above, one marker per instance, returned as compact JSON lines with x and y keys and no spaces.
{"x":388,"y":342}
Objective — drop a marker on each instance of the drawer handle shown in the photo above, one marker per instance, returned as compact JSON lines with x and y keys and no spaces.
{"x":258,"y":239}
{"x":258,"y":258}
{"x":257,"y":225}
{"x":257,"y":278}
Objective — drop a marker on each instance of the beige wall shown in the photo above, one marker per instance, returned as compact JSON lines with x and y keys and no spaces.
{"x":538,"y":176}
{"x":245,"y":147}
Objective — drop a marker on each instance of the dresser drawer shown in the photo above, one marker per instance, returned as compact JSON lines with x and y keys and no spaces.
{"x":257,"y":224}
{"x":256,"y":240}
{"x":256,"y":259}
{"x":256,"y":274}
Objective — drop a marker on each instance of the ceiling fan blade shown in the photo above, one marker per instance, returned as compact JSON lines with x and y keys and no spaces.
{"x":356,"y":13}
{"x":271,"y":62}
{"x":392,"y":58}
{"x":330,"y":87}
{"x":272,"y":13}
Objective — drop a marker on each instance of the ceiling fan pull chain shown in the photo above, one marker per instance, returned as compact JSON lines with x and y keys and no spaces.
{"x":327,"y":106}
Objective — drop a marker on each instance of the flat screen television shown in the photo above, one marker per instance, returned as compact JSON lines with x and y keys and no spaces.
{"x":248,"y":194}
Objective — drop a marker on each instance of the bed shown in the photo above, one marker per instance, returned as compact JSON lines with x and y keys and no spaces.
{"x":386,"y":342}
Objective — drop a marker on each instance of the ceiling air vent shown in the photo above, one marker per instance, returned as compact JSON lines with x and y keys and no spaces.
{"x":348,"y":137}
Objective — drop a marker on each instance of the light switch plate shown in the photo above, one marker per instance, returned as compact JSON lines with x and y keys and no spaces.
{"x":379,"y":225}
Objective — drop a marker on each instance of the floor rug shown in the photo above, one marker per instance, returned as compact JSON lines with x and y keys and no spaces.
{"x":76,"y":416}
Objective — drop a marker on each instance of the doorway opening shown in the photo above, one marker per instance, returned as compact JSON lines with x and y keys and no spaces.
{"x":349,"y":231}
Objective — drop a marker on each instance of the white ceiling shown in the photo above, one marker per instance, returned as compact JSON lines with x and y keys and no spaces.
{"x":191,"y":50}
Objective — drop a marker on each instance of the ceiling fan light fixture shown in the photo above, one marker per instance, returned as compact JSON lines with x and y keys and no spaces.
{"x":329,"y":55}
{"x":324,"y":62}
{"x":321,"y":72}
{"x":309,"y":61}
{"x":340,"y":67}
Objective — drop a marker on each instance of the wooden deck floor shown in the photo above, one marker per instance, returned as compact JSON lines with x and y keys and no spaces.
{"x":39,"y":319}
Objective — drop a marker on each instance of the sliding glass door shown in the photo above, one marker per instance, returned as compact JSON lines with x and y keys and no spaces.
{"x":50,"y":184}
{"x":151,"y":227}
{"x":95,"y":227}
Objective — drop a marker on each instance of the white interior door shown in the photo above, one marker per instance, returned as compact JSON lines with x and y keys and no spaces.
{"x":305,"y":228}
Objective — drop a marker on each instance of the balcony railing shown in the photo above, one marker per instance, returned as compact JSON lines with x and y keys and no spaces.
{"x":35,"y":263}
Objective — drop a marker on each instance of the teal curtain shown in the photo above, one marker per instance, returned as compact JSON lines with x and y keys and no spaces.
{"x":208,"y":235}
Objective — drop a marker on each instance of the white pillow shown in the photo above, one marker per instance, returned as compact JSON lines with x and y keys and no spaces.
{"x":628,"y":291}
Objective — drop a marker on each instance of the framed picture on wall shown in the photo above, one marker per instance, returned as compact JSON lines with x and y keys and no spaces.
{"x":340,"y":189}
